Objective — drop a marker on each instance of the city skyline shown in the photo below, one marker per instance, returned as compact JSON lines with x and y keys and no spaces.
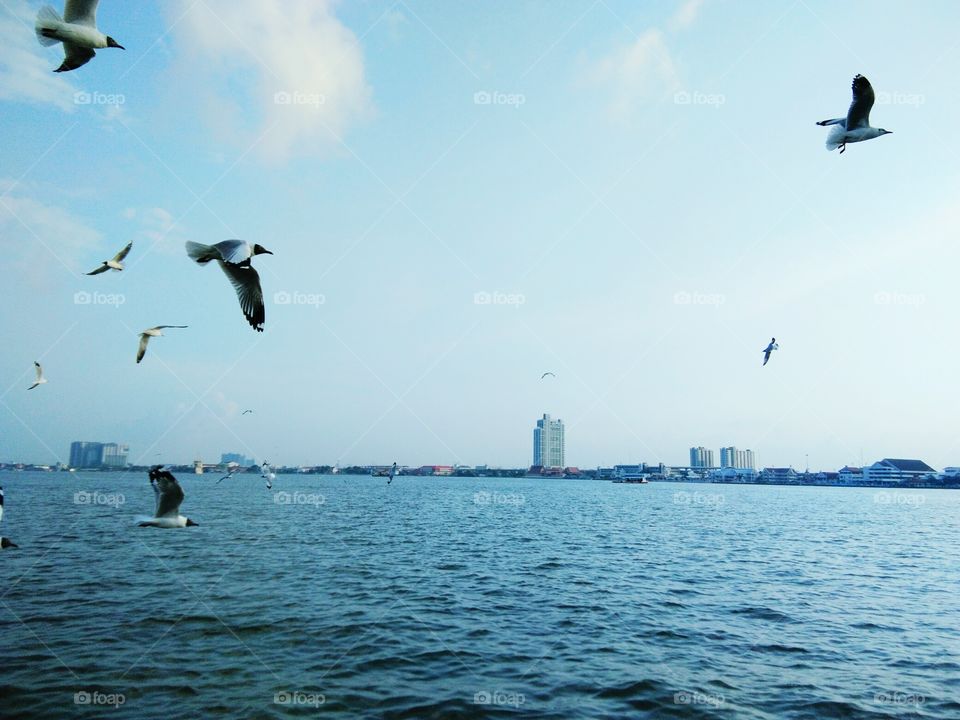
{"x":456,"y":193}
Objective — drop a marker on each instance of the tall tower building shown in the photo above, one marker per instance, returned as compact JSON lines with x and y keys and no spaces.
{"x":731,"y":457}
{"x":701,"y":457}
{"x":548,"y":443}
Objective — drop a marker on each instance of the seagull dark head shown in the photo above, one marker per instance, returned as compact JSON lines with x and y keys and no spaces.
{"x":7,"y":543}
{"x":261,"y":250}
{"x":884,"y":132}
{"x":191,"y":523}
{"x":113,"y":43}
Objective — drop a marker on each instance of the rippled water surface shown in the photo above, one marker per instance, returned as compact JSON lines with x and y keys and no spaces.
{"x":475,"y":597}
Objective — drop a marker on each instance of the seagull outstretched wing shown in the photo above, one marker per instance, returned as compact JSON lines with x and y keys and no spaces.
{"x":168,"y":491}
{"x":246,"y":282}
{"x":863,"y":98}
{"x":81,"y":12}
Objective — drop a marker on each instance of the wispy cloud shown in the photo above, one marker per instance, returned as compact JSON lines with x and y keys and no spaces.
{"x":26,"y":68}
{"x":686,"y":14}
{"x":288,"y":77}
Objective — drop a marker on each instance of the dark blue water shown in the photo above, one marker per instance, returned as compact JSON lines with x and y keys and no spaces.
{"x":478,"y":598}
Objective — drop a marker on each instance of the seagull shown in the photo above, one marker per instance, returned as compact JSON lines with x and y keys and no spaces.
{"x":267,"y":474}
{"x":547,"y":373}
{"x":4,"y":542}
{"x":40,"y":378}
{"x":169,"y":496}
{"x":246,"y":411}
{"x":114,"y":264}
{"x":77,"y":30}
{"x":234,"y":258}
{"x":769,"y":349}
{"x":391,"y":473}
{"x":152,"y":332}
{"x":231,"y":471}
{"x":855,"y":127}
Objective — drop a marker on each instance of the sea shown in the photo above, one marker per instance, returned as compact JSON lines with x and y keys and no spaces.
{"x":347,"y":597}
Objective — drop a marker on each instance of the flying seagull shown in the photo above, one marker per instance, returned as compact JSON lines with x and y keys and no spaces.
{"x":855,"y":127}
{"x":77,"y":30}
{"x":231,"y":471}
{"x":234,"y":258}
{"x":769,"y":349}
{"x":169,"y":496}
{"x":267,"y":474}
{"x":547,"y":373}
{"x":246,"y":411}
{"x":152,"y":332}
{"x":390,"y":473}
{"x":4,"y":542}
{"x":40,"y":378}
{"x":116,"y":263}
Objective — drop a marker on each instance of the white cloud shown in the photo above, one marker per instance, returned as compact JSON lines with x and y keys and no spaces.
{"x":636,"y":73}
{"x":158,"y":230}
{"x":286,"y":76}
{"x":686,"y":14}
{"x":26,"y":68}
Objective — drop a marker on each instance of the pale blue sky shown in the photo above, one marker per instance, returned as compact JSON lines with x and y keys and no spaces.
{"x":656,"y":244}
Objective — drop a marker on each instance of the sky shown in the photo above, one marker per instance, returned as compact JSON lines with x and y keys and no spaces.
{"x":461,"y":197}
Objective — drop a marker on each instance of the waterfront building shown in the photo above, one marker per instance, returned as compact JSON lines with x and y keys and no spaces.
{"x":732,"y":475}
{"x":780,"y":476}
{"x":850,"y":475}
{"x":115,"y":455}
{"x":548,"y":443}
{"x":738,"y":459}
{"x":701,"y":457}
{"x":896,"y":470}
{"x":238,"y":458}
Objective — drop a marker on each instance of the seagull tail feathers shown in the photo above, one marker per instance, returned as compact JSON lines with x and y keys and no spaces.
{"x":835,"y":137}
{"x":201,"y":253}
{"x":48,"y":21}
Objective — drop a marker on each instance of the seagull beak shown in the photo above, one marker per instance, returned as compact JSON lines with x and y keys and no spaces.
{"x":191,"y":523}
{"x":114,"y":44}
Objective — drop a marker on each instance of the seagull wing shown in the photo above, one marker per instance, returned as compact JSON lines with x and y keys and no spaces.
{"x":102,"y":268}
{"x":234,"y":251}
{"x":39,"y":370}
{"x":81,"y":12}
{"x":122,"y":254}
{"x":246,"y":282}
{"x":164,"y":327}
{"x":859,"y":113}
{"x":74,"y":57}
{"x":144,"y":339}
{"x":766,"y":356}
{"x":202,"y":253}
{"x":169,"y":494}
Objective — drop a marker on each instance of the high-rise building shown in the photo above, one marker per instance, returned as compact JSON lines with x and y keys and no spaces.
{"x":701,"y":457}
{"x":731,"y":457}
{"x":96,"y":454}
{"x":548,"y":443}
{"x":115,"y":455}
{"x":237,"y":458}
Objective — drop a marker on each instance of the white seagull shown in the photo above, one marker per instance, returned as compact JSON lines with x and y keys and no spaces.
{"x":234,"y":258}
{"x":4,"y":542}
{"x":267,"y":474}
{"x":169,"y":496}
{"x":769,"y":349}
{"x":391,"y":473}
{"x":40,"y":378}
{"x":116,"y":263}
{"x":855,"y":127}
{"x":152,"y":332}
{"x":232,"y":469}
{"x":77,"y":30}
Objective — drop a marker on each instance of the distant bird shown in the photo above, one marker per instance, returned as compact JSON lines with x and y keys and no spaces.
{"x":4,"y":542}
{"x":231,"y":471}
{"x":116,"y":263}
{"x":267,"y":474}
{"x":40,"y":378}
{"x":391,"y":473}
{"x":769,"y":349}
{"x":246,"y":411}
{"x":855,"y":127}
{"x":547,"y":373}
{"x":169,"y":496}
{"x":234,"y":258}
{"x":152,"y":332}
{"x":77,"y":30}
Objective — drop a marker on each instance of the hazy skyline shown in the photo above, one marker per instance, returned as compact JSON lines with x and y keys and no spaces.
{"x":459,"y":199}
